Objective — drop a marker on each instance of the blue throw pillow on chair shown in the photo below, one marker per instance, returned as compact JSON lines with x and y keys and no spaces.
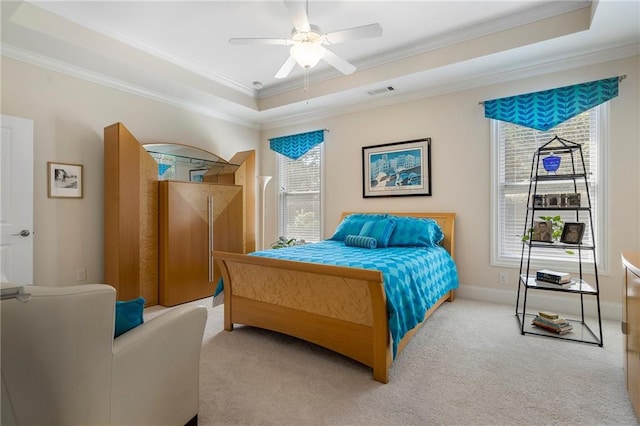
{"x":128,"y":315}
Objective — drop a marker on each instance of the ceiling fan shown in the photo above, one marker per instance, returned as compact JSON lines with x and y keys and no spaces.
{"x":307,"y":41}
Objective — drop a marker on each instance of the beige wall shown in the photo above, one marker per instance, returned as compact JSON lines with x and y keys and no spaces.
{"x":69,"y":116}
{"x":461,"y":180}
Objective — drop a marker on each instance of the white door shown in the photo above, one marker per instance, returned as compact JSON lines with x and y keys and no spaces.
{"x":16,"y":200}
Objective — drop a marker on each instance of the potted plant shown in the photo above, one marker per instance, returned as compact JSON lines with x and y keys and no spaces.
{"x":284,"y":242}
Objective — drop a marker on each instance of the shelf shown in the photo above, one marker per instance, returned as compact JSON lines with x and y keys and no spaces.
{"x":559,"y":246}
{"x":576,"y":285}
{"x":586,"y":209}
{"x":572,"y":177}
{"x":581,"y":331}
{"x":566,"y":149}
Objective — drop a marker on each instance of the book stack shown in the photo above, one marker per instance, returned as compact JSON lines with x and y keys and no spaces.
{"x":552,"y":322}
{"x":553,"y":277}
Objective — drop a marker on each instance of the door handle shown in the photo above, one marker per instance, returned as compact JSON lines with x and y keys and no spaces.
{"x":23,"y":233}
{"x":210,"y":252}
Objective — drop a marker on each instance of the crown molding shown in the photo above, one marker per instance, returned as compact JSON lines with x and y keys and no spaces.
{"x":101,"y":79}
{"x":550,"y":65}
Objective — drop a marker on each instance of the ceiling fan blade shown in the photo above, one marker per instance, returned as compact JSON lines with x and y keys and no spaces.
{"x":337,"y":62}
{"x":365,"y":31}
{"x":277,"y":41}
{"x":298,"y":12}
{"x":286,"y":68}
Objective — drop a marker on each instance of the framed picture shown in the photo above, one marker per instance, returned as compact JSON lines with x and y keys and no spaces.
{"x":197,"y":175}
{"x":397,"y":169}
{"x":553,"y":200}
{"x":542,"y":231}
{"x":572,"y":200}
{"x":572,"y":233}
{"x":64,"y":180}
{"x":539,"y":200}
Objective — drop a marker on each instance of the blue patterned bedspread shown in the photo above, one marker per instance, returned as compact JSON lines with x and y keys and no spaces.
{"x":414,"y":278}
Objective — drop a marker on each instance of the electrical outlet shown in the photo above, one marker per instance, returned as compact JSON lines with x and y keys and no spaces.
{"x":81,"y":274}
{"x":504,"y":278}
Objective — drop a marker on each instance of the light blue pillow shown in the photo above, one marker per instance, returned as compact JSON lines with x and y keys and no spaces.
{"x":379,"y":229}
{"x":360,"y":241}
{"x":415,"y":232}
{"x":128,"y":315}
{"x":353,"y":223}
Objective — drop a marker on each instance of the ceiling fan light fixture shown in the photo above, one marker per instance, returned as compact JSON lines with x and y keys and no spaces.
{"x":307,"y":55}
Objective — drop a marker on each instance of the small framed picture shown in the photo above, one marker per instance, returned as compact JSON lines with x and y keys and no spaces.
{"x":64,"y":180}
{"x":197,"y":175}
{"x":542,"y":231}
{"x":553,"y":200}
{"x":572,"y":200}
{"x":538,"y":200}
{"x":572,"y":233}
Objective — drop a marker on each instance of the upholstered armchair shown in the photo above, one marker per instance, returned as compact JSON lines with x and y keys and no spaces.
{"x":62,"y":366}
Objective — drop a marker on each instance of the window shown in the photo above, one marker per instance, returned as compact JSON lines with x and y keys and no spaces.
{"x":513,"y":147}
{"x":300,"y":190}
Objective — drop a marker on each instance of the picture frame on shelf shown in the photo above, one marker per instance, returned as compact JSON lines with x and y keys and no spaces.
{"x":572,"y":200}
{"x":542,"y":231}
{"x":572,"y":233}
{"x":397,"y":169}
{"x":197,"y":175}
{"x":539,"y":200}
{"x":553,"y":200}
{"x":64,"y":180}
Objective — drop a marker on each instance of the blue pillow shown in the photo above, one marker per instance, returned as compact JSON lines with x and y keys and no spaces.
{"x":353,"y":223}
{"x":360,"y":241}
{"x":128,"y":315}
{"x":415,"y":232}
{"x":379,"y":229}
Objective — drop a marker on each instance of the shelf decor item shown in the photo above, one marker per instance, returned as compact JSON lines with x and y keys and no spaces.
{"x":197,"y":175}
{"x":551,"y":163}
{"x":542,"y":231}
{"x":572,"y":233}
{"x":552,"y":224}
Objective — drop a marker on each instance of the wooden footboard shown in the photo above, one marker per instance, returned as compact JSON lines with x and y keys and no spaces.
{"x":343,"y":309}
{"x":291,"y":298}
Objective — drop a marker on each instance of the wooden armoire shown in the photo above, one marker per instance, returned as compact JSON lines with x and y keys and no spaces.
{"x":159,"y":235}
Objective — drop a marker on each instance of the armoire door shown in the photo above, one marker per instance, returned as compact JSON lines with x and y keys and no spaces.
{"x":195,"y":219}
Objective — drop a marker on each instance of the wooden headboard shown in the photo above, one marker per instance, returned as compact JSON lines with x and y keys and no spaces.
{"x":445,"y":220}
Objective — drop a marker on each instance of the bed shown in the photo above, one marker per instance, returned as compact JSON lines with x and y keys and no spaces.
{"x":345,"y":304}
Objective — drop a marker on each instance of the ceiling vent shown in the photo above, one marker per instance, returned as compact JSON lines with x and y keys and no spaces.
{"x":381,"y":90}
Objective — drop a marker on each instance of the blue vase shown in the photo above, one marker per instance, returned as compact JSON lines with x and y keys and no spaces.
{"x":551,"y":163}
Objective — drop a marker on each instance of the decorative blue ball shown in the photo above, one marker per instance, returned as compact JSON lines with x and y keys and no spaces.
{"x":551,"y":163}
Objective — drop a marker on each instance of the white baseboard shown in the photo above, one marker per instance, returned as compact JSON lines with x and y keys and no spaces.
{"x":544,"y":300}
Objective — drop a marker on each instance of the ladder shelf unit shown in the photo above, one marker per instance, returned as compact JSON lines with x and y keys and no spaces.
{"x":537,"y":237}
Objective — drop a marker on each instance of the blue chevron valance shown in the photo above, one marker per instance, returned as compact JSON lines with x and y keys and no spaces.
{"x":546,"y":109}
{"x":295,"y":146}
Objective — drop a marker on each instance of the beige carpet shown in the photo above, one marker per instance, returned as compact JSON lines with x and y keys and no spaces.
{"x":469,"y":365}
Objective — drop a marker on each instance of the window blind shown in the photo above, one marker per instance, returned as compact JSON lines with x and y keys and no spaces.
{"x":299,"y":183}
{"x":516,"y":147}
